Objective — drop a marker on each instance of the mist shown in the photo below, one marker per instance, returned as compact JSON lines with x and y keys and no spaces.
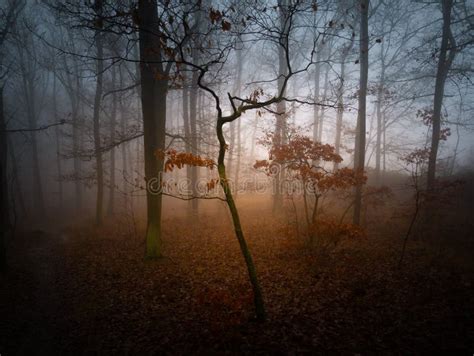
{"x":236,"y":176}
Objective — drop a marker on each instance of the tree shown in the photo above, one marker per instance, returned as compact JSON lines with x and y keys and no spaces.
{"x":193,"y":103}
{"x":98,"y":8}
{"x":281,"y":115}
{"x":344,"y":52}
{"x":446,"y":57}
{"x":113,"y":114}
{"x":7,"y":17}
{"x":154,"y":88}
{"x":30,"y":77}
{"x":305,"y":160}
{"x":4,"y":211}
{"x":359,"y":155}
{"x":256,"y":100}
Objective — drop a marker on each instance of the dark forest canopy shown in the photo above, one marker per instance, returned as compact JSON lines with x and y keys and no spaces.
{"x":333,"y":120}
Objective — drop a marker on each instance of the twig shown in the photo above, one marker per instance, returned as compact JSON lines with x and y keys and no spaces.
{"x":41,"y":128}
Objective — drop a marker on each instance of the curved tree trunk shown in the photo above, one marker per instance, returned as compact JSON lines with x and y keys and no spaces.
{"x":257,"y":292}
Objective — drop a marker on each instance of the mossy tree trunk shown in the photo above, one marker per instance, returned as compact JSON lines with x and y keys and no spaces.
{"x":257,"y":291}
{"x":154,"y":88}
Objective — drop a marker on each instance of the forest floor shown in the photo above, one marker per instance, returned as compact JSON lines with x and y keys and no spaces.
{"x":83,"y":290}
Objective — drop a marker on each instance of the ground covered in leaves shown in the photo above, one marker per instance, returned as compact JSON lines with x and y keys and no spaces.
{"x":89,"y":291}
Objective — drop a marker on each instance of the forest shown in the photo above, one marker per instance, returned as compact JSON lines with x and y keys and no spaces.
{"x":236,"y":177}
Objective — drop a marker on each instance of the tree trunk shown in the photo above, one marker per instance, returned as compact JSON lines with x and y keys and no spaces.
{"x":37,"y":183}
{"x":323,"y":109}
{"x":28,"y":80}
{"x":58,"y":147}
{"x":317,"y":80}
{"x":380,"y":98}
{"x":73,"y":89}
{"x":231,"y":146}
{"x":187,"y":134}
{"x":18,"y":194}
{"x":340,"y":111}
{"x":154,"y":87}
{"x":340,"y":99}
{"x":4,"y":210}
{"x":257,"y":292}
{"x":113,"y":114}
{"x":359,"y":157}
{"x":193,"y":128}
{"x":123,"y":130}
{"x":253,"y":137}
{"x":280,"y":128}
{"x":76,"y":145}
{"x":313,"y":219}
{"x":444,"y":64}
{"x":238,"y":84}
{"x":96,"y":120}
{"x":384,"y":144}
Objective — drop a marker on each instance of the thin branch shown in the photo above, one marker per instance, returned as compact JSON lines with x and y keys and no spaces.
{"x":41,"y":128}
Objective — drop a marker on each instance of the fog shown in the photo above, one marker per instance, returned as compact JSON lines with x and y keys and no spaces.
{"x":239,"y":165}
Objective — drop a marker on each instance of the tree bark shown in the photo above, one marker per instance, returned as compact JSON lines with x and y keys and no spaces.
{"x":58,"y":147}
{"x":446,"y":57}
{"x":317,"y":85}
{"x":96,"y":119}
{"x":359,"y":158}
{"x":4,"y":210}
{"x":323,"y":109}
{"x":281,"y":125}
{"x":378,"y":143}
{"x":72,"y":84}
{"x":238,"y":84}
{"x":340,"y":99}
{"x":187,"y":134}
{"x":28,"y":80}
{"x":123,"y":129}
{"x":18,"y":192}
{"x":193,"y":129}
{"x":257,"y":292}
{"x":113,"y":114}
{"x":154,"y":88}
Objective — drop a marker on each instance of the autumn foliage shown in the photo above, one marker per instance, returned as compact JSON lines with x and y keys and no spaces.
{"x":306,"y":161}
{"x":426,"y":115}
{"x":174,"y":159}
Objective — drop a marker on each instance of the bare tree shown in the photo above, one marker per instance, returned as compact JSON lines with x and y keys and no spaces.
{"x":446,"y":57}
{"x":8,"y":16}
{"x":359,"y":157}
{"x":98,"y":8}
